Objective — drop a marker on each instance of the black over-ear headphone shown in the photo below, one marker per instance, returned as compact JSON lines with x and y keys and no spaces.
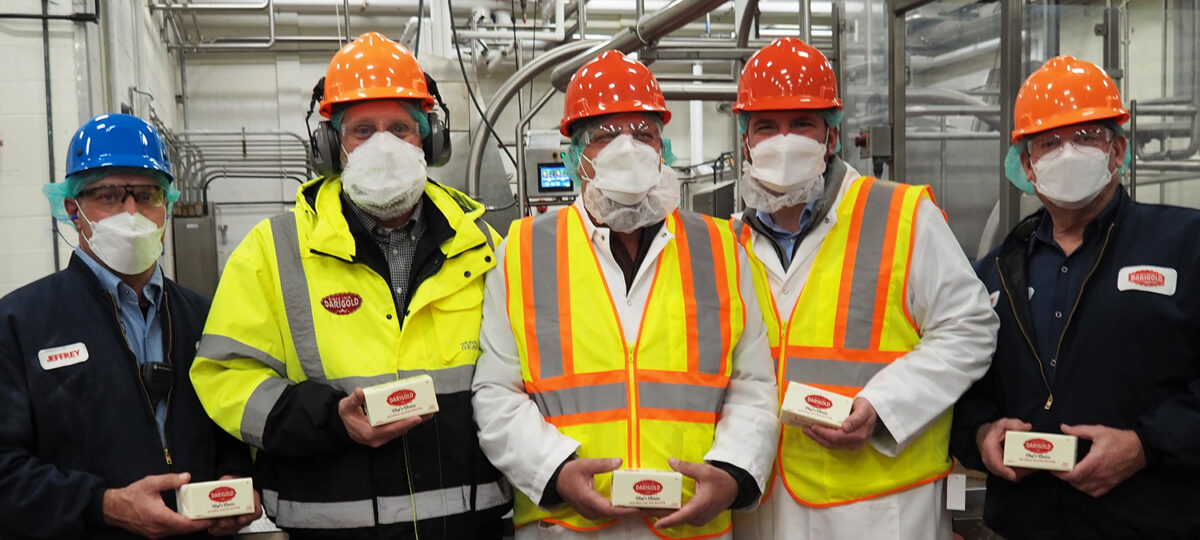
{"x":326,"y":147}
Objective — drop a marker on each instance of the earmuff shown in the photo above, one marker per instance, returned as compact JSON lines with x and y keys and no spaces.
{"x":325,"y":148}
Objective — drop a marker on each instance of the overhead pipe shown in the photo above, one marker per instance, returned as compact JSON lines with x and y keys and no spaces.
{"x":643,"y":32}
{"x":747,"y":20}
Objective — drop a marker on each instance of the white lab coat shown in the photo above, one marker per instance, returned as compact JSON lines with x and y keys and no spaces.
{"x":958,"y":335}
{"x":527,"y":449}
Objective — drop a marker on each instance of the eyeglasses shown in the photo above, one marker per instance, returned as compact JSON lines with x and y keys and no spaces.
{"x":112,"y":197}
{"x":362,"y":132}
{"x":643,"y":131}
{"x":1093,"y":136}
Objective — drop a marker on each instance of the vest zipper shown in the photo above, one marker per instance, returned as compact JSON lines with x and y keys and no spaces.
{"x":635,"y":449}
{"x":1013,"y":306}
{"x":138,"y":376}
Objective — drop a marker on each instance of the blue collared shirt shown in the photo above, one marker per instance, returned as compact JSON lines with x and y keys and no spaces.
{"x":1055,"y":280}
{"x":785,"y":238}
{"x":143,"y":333}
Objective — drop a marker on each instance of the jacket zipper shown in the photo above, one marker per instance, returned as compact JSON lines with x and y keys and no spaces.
{"x":1013,"y":306}
{"x":138,"y":376}
{"x":1082,"y":287}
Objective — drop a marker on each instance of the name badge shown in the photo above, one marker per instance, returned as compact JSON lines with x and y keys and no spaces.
{"x":67,"y":355}
{"x":1155,"y":279}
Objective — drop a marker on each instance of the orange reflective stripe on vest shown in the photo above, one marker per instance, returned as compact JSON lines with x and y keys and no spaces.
{"x":646,"y":401}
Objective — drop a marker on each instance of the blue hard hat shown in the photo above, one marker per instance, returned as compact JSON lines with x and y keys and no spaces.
{"x":117,"y":140}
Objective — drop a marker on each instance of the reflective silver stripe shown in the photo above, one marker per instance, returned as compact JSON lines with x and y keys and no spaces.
{"x":543,"y":247}
{"x":294,"y":287}
{"x":258,"y":407}
{"x":684,"y":397}
{"x":581,"y":399}
{"x":868,"y":256}
{"x":704,"y":291}
{"x":483,"y":228}
{"x":445,"y":381}
{"x":440,"y":503}
{"x":837,"y":372}
{"x":398,"y":509}
{"x":318,"y":515}
{"x":222,"y":348}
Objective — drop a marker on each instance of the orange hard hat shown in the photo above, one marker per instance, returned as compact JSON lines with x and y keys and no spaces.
{"x":612,"y":83}
{"x":1062,"y":92}
{"x":373,"y":67}
{"x":787,"y":74}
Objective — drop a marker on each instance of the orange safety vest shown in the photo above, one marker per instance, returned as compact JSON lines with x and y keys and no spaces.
{"x":850,"y":322}
{"x":646,"y":401}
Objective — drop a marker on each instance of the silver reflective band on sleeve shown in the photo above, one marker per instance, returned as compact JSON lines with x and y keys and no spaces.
{"x":483,"y":228}
{"x":296,"y":302}
{"x":222,"y":348}
{"x":836,"y":372}
{"x":258,"y":407}
{"x":704,"y":291}
{"x":440,"y":503}
{"x":683,"y":397}
{"x":398,"y":509}
{"x":445,"y":381}
{"x":580,"y":399}
{"x":868,"y":256}
{"x":543,"y":248}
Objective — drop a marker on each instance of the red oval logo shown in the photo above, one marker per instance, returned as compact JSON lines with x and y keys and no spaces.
{"x":1147,"y":278}
{"x":648,"y":487}
{"x":820,"y":402}
{"x":1039,"y":446}
{"x":343,"y":303}
{"x":401,"y":397}
{"x":222,"y":494}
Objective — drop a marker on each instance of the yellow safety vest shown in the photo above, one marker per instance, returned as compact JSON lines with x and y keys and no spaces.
{"x":647,"y":401}
{"x":850,"y":322}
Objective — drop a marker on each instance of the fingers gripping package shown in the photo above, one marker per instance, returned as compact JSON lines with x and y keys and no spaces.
{"x":647,"y":488}
{"x":219,"y":498}
{"x":1033,"y":450}
{"x":397,"y":400}
{"x":805,"y":405}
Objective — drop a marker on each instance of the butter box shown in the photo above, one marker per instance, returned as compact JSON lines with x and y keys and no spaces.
{"x":397,"y":400}
{"x":805,"y":405}
{"x":647,"y":488}
{"x":219,"y":498}
{"x":1033,"y":450}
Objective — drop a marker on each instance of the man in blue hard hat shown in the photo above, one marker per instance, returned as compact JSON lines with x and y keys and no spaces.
{"x":99,"y":417}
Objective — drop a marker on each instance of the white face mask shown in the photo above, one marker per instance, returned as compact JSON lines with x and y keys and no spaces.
{"x":385,"y":176}
{"x":1072,"y":176}
{"x":626,"y":170}
{"x":126,"y":243}
{"x":786,"y":163}
{"x":656,"y":205}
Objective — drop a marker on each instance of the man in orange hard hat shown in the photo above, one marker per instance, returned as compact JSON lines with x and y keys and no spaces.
{"x":866,"y":293}
{"x":621,"y":333}
{"x":1099,"y":309}
{"x":376,"y":275}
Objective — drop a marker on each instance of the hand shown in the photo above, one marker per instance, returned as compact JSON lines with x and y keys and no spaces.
{"x":226,"y":526}
{"x":1116,"y":455}
{"x":715,"y":492}
{"x":350,"y":408}
{"x":576,"y":485}
{"x":989,"y":438}
{"x":139,"y":508}
{"x":854,"y":431}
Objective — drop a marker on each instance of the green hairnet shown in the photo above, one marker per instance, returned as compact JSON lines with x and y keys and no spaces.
{"x":418,"y":115}
{"x":581,"y":136}
{"x":1016,"y":172}
{"x":57,"y":192}
{"x":832,"y":117}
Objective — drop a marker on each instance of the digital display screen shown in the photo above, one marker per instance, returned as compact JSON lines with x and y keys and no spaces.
{"x":553,"y":177}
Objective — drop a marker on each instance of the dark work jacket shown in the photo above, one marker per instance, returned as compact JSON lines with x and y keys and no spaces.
{"x":67,"y":434}
{"x":1129,"y":359}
